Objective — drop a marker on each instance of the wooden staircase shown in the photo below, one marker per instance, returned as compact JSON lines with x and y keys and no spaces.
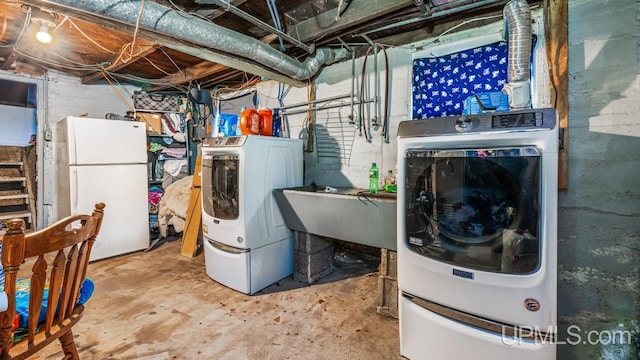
{"x":16,"y":195}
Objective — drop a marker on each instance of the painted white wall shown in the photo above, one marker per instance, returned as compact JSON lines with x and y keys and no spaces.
{"x":66,"y":95}
{"x":18,"y":125}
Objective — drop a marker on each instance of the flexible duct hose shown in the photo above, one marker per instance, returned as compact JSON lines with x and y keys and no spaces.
{"x":518,"y":21}
{"x":517,"y":17}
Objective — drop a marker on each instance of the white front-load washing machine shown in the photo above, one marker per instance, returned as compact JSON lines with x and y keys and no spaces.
{"x":477,"y":231}
{"x":247,"y":245}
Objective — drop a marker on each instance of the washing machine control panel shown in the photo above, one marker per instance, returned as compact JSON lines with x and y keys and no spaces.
{"x":224,"y":141}
{"x":496,"y":121}
{"x":517,"y":120}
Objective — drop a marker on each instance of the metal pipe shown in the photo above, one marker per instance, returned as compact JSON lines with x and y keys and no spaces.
{"x":353,"y":84}
{"x":322,"y":107}
{"x":316,"y":101}
{"x":234,"y":10}
{"x":376,"y":104}
{"x":176,"y":24}
{"x":434,"y":15}
{"x":353,"y":77}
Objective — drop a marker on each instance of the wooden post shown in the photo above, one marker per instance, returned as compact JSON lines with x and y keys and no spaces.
{"x":556,"y":13}
{"x":192,"y":226}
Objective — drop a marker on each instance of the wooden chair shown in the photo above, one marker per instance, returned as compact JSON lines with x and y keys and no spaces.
{"x":67,"y":244}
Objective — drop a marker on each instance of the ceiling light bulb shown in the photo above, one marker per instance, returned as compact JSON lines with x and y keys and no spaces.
{"x":43,"y":35}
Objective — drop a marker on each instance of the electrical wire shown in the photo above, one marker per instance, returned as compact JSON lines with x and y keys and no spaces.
{"x":282,"y":93}
{"x":172,"y":61}
{"x":85,"y":35}
{"x":237,"y":91}
{"x":118,"y":93}
{"x":459,"y":25}
{"x":48,"y":62}
{"x":135,"y":32}
{"x":156,"y":66}
{"x":276,"y":21}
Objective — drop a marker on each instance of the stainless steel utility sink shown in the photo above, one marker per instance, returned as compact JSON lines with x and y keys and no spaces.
{"x":353,"y":215}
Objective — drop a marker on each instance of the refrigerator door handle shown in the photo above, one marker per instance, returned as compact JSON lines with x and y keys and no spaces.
{"x":74,"y":192}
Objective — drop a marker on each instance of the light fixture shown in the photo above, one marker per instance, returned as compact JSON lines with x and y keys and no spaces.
{"x":44,"y":20}
{"x":43,"y":35}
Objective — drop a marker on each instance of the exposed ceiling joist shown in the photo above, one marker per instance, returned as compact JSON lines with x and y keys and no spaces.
{"x":223,"y":53}
{"x":145,"y":48}
{"x":181,"y":45}
{"x":198,"y":71}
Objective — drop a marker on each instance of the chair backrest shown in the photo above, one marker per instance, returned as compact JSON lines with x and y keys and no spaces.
{"x":59,"y":257}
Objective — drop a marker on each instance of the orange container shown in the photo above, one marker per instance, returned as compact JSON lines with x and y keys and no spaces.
{"x":250,"y":122}
{"x":266,"y":122}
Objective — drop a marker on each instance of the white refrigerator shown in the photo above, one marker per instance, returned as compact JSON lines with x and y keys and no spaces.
{"x":101,"y":160}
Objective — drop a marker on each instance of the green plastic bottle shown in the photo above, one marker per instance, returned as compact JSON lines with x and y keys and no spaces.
{"x":374,"y":174}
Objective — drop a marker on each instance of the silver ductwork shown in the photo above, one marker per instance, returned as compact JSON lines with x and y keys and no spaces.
{"x":169,"y":22}
{"x":517,"y":17}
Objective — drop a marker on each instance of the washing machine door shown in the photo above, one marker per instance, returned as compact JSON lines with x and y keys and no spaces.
{"x":220,"y":185}
{"x":475,"y":208}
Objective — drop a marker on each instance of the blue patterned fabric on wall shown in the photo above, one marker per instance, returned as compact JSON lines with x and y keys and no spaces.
{"x":441,"y":84}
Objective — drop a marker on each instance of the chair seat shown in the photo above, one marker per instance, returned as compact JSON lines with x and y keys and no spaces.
{"x":22,"y":350}
{"x":22,"y":299}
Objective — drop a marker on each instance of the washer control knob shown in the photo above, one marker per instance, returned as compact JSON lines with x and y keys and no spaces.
{"x":464,"y":124}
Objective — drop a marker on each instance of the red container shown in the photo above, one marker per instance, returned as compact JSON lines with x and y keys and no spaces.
{"x":266,"y":122}
{"x":250,"y":122}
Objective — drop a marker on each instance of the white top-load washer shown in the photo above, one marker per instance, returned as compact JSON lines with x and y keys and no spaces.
{"x":477,"y":232}
{"x":247,"y":245}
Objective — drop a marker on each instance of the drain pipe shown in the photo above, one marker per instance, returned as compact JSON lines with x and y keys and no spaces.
{"x":517,"y":15}
{"x":167,"y":21}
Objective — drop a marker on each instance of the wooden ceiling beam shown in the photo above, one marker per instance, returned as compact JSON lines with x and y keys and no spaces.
{"x":358,"y":12}
{"x":146,"y":48}
{"x":198,"y":71}
{"x":230,"y":60}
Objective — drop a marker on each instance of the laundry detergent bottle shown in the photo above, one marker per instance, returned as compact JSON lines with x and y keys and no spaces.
{"x":374,"y":174}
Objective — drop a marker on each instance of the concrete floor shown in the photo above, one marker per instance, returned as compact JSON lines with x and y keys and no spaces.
{"x":161,"y":305}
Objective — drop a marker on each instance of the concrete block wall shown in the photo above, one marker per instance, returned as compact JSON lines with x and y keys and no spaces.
{"x":599,"y":215}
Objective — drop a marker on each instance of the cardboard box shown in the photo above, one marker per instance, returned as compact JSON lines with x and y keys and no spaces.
{"x":153,"y":120}
{"x":486,"y":102}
